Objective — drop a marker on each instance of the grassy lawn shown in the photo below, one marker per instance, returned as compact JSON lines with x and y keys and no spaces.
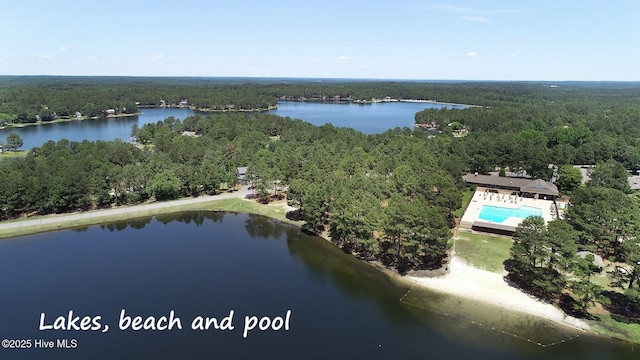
{"x":13,"y":154}
{"x":488,"y":252}
{"x":608,"y":326}
{"x":603,"y":280}
{"x":483,"y":251}
{"x":466,"y":198}
{"x":239,"y":205}
{"x":233,"y":205}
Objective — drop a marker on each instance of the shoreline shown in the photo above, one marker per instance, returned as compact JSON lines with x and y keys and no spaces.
{"x":62,"y":120}
{"x":45,"y":223}
{"x":205,"y":110}
{"x":438,"y":102}
{"x":377,"y":101}
{"x":463,"y":280}
{"x":469,"y":282}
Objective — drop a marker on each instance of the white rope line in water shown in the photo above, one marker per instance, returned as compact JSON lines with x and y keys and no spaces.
{"x":405,"y":294}
{"x":487,"y":326}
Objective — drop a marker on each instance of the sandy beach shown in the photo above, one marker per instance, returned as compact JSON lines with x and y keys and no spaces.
{"x":469,"y":282}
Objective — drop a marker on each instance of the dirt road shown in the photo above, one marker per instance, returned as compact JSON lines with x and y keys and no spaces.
{"x":123,"y":210}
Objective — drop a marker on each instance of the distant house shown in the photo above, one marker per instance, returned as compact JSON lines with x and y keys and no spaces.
{"x":634,"y":180}
{"x":584,"y":170}
{"x":597,"y":259}
{"x":111,"y":112}
{"x":534,"y":188}
{"x":241,"y":172}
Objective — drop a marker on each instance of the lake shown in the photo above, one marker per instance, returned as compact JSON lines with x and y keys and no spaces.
{"x":209,"y":263}
{"x":99,"y":129}
{"x":368,"y":118}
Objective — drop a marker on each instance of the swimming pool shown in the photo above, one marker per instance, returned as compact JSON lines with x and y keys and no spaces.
{"x":499,"y":214}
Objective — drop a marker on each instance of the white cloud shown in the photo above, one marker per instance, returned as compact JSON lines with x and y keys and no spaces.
{"x":343,"y":58}
{"x":476,"y":14}
{"x":476,"y":11}
{"x":472,"y":54}
{"x":62,"y":48}
{"x":47,"y":56}
{"x":475,"y":19}
{"x":153,"y":57}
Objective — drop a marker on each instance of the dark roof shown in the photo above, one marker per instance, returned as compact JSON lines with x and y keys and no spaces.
{"x":539,"y":186}
{"x":493,"y":225}
{"x":536,"y":186}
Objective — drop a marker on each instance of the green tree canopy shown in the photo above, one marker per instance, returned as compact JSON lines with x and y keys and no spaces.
{"x":569,"y":178}
{"x":14,"y":141}
{"x":604,"y":217}
{"x":610,"y":174}
{"x":534,"y":259}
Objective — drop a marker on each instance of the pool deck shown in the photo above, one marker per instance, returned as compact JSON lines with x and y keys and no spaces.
{"x":471,"y":218}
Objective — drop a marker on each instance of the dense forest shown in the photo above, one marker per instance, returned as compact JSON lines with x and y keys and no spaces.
{"x":25,"y":99}
{"x":384,"y":197}
{"x":388,"y":197}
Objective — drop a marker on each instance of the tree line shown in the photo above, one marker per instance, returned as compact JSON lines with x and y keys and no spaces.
{"x":383,"y":196}
{"x":601,"y":220}
{"x":25,"y":99}
{"x":540,"y":125}
{"x":32,"y":99}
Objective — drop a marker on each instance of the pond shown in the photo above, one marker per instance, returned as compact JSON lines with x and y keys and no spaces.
{"x":312,"y":300}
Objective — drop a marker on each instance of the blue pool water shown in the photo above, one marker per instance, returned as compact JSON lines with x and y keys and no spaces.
{"x":499,"y":214}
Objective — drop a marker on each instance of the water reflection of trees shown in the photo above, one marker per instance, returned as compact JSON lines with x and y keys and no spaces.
{"x":195,"y":217}
{"x":189,"y":217}
{"x":266,"y":228}
{"x":137,"y":223}
{"x":326,"y":263}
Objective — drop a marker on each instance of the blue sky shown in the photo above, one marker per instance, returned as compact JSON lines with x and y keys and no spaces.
{"x":455,"y":40}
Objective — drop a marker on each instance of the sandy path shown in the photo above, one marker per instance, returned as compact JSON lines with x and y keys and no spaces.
{"x":473,"y":283}
{"x":123,"y":210}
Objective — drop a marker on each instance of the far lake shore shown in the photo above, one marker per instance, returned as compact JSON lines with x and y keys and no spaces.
{"x":65,"y":119}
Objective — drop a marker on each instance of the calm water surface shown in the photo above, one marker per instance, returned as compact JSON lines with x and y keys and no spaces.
{"x":207,"y":263}
{"x":370,"y":118}
{"x":92,"y":130}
